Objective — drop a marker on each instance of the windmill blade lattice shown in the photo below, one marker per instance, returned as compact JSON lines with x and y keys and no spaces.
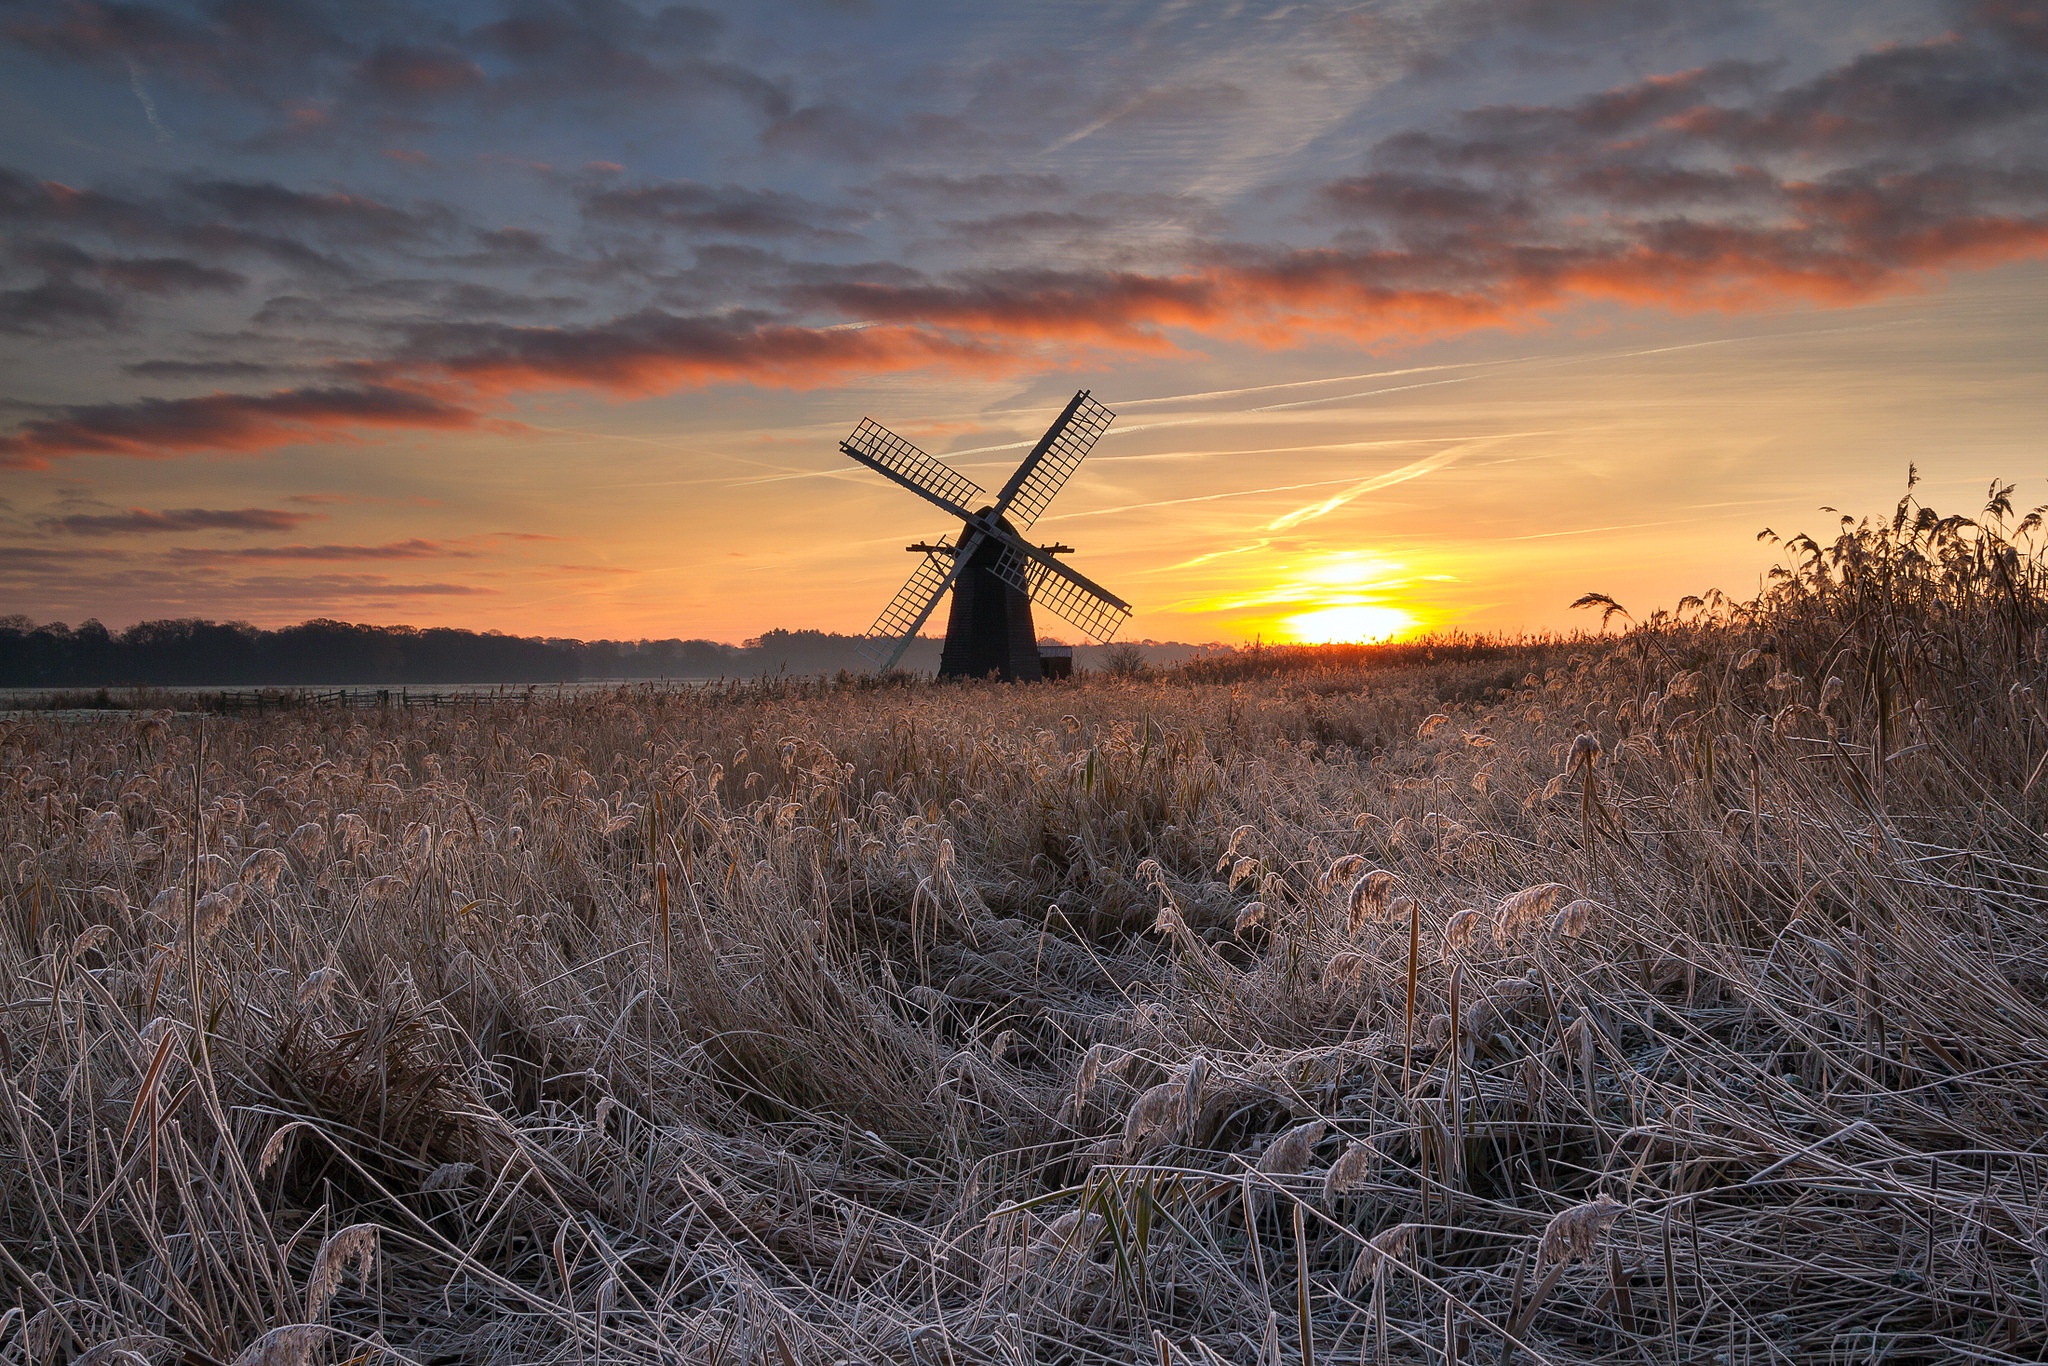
{"x":1052,"y":585}
{"x":912,"y":606}
{"x":1053,"y":460}
{"x":889,"y":455}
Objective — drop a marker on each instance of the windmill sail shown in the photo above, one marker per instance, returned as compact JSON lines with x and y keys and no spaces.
{"x":1053,"y":460}
{"x":889,"y":455}
{"x":1052,"y":585}
{"x":992,"y":572}
{"x":912,"y":606}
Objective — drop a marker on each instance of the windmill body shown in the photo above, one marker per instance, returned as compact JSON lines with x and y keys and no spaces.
{"x":994,"y":574}
{"x":989,"y":632}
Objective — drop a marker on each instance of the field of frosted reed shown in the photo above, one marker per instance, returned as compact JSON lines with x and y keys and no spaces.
{"x":1676,"y":996}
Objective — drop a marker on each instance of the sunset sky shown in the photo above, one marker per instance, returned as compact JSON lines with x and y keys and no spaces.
{"x":548,"y":316}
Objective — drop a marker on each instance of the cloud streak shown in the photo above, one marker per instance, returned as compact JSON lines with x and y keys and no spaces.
{"x":414,"y":548}
{"x":1415,"y":469}
{"x":144,"y":521}
{"x":654,"y":350}
{"x":156,"y":428}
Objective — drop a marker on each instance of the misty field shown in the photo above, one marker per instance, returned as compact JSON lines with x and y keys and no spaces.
{"x":1675,"y":996}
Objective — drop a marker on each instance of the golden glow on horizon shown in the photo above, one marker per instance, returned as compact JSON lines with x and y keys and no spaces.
{"x":1348,"y":623}
{"x":720,"y":515}
{"x":1324,"y":598}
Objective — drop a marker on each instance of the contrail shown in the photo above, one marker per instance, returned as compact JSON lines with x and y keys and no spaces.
{"x":1637,"y":526}
{"x":1429,"y":464}
{"x":1326,"y":379}
{"x":163,"y":134}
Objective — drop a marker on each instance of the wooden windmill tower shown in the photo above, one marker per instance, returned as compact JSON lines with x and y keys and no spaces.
{"x":994,"y":574}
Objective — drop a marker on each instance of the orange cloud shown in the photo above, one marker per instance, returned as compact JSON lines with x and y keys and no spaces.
{"x":1122,"y":307}
{"x":154,"y":428}
{"x":653,"y":351}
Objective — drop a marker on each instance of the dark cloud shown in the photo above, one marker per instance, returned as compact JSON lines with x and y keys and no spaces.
{"x":360,"y":219}
{"x":1841,"y":238}
{"x":152,"y":428}
{"x":510,"y":249}
{"x":30,"y":558}
{"x":359,"y":588}
{"x":243,"y":46}
{"x":719,"y":273}
{"x":2022,"y":23}
{"x":143,"y":521}
{"x":1462,"y":36}
{"x":168,"y":275}
{"x":604,"y":48}
{"x":200,"y":369}
{"x":1516,"y":138}
{"x":27,"y":201}
{"x":1569,"y":18}
{"x":1030,"y":225}
{"x":407,"y":71}
{"x":1098,"y":305}
{"x":466,"y":299}
{"x":653,"y":349}
{"x":1711,"y":187}
{"x":82,"y":294}
{"x":366,"y":56}
{"x":413,"y":549}
{"x":984,"y":188}
{"x":725,"y":210}
{"x":139,"y":275}
{"x":1407,"y":198}
{"x":1074,"y":230}
{"x":1896,"y":99}
{"x":175,"y":219}
{"x":1663,"y":185}
{"x":284,"y":311}
{"x":58,"y":308}
{"x":835,"y":130}
{"x":374,"y":306}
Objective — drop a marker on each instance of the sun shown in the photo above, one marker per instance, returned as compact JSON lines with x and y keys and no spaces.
{"x":1362,"y":622}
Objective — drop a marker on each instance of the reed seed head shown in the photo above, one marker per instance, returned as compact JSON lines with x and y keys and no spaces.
{"x":1155,"y":1117}
{"x":1345,"y":969}
{"x":1369,"y":895}
{"x":1351,"y":1170}
{"x":354,"y":1246}
{"x":291,"y":1345}
{"x":1527,"y":907}
{"x":1383,"y":1248}
{"x":1574,"y":918}
{"x":1288,"y":1154}
{"x":1343,"y":870}
{"x":1459,"y":930}
{"x":1574,"y":1234}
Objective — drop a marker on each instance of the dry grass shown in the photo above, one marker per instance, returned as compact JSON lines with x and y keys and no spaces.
{"x":1673,"y":997}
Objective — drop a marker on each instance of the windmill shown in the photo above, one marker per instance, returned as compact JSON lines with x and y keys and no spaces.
{"x":995,"y":574}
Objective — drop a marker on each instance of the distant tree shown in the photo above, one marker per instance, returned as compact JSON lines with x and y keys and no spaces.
{"x":1126,"y":660}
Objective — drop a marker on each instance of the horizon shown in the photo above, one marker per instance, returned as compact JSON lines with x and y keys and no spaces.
{"x":745,"y":643}
{"x":548,"y":318}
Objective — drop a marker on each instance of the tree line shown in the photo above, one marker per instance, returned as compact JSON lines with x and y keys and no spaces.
{"x":193,"y":653}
